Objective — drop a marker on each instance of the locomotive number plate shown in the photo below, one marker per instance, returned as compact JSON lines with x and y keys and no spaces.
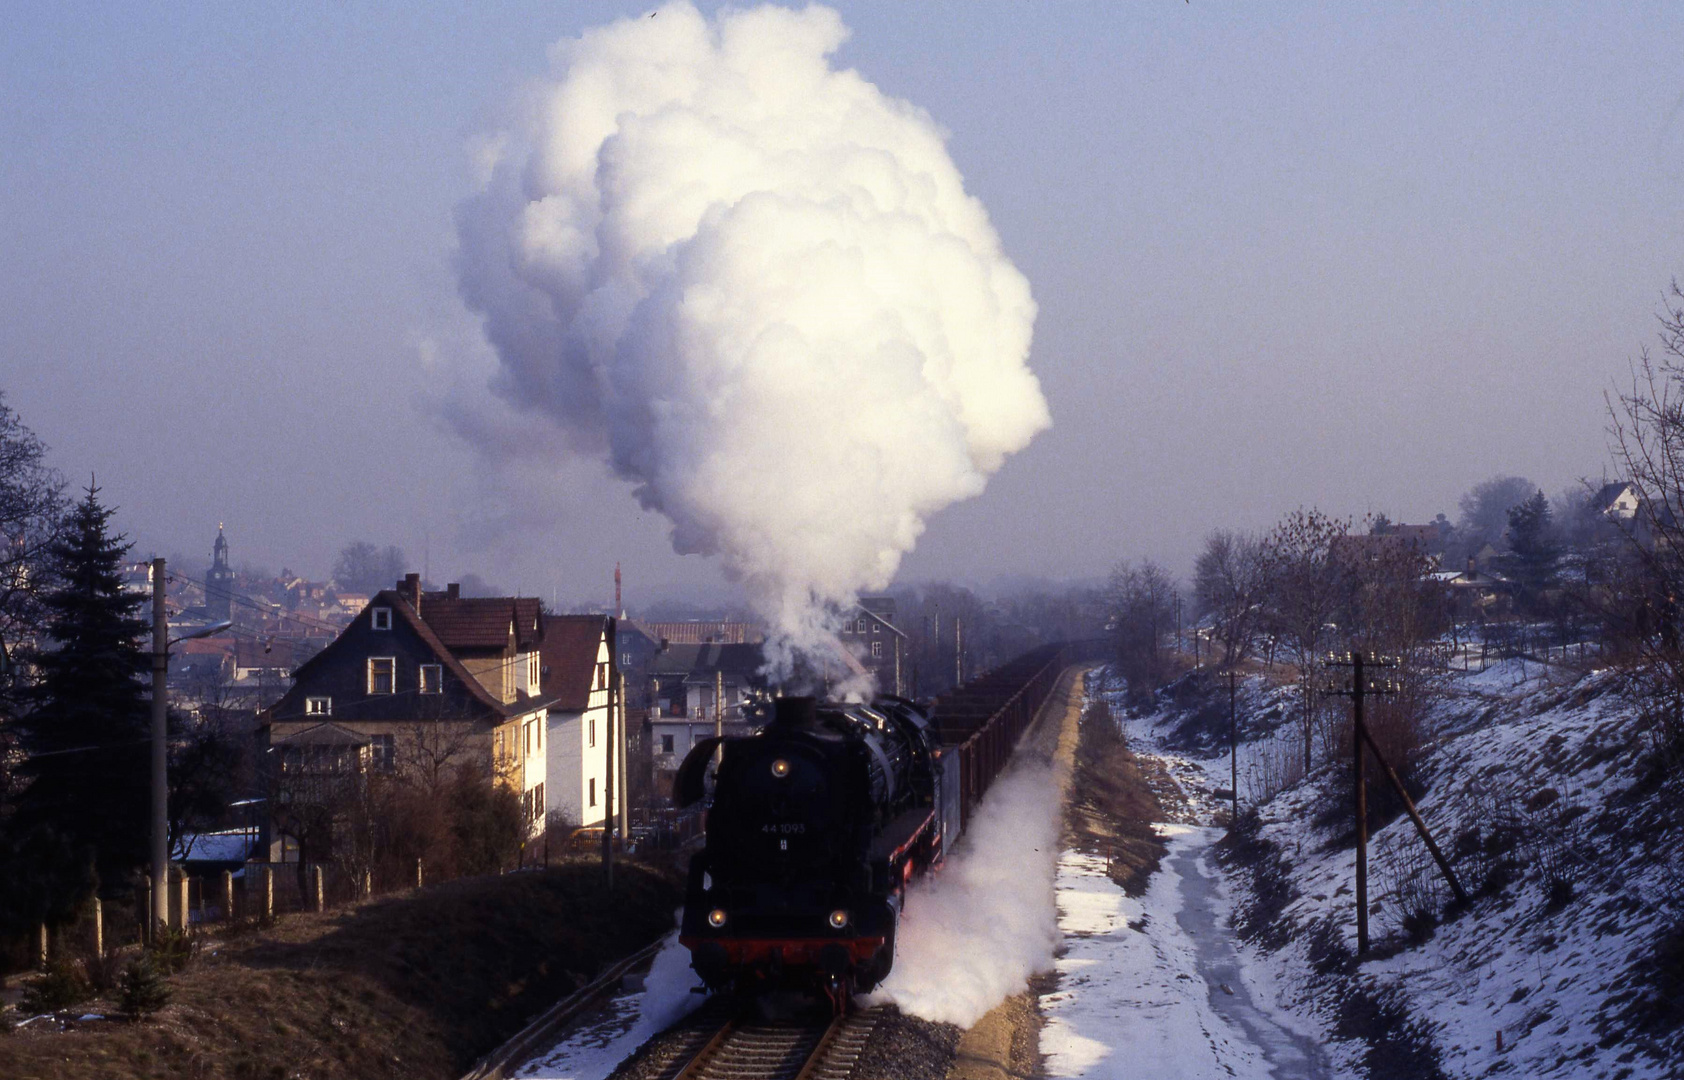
{"x":788,"y":828}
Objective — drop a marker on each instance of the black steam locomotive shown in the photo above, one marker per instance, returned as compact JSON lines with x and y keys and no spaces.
{"x":817,"y":825}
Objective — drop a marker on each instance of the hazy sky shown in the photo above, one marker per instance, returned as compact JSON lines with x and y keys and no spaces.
{"x":1283,"y":256}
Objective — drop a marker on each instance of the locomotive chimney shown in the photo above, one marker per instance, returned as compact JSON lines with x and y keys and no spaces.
{"x":795,"y":712}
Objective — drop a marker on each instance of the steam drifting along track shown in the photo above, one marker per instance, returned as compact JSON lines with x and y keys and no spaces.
{"x":746,"y":1049}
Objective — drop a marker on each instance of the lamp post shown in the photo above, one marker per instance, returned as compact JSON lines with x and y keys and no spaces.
{"x":160,"y":743}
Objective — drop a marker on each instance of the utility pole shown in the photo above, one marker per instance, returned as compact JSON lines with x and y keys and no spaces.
{"x":608,"y":750}
{"x":625,"y":760}
{"x":958,"y":651}
{"x":1233,"y":750}
{"x":160,"y":754}
{"x":1358,"y":690}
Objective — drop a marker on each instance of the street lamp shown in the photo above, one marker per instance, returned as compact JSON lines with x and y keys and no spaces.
{"x":160,"y":743}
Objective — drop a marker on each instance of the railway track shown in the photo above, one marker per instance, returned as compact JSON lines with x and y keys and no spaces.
{"x":745,"y":1049}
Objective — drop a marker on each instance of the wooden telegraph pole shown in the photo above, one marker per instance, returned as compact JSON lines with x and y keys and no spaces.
{"x":1358,"y":690}
{"x":1233,"y":749}
{"x":608,"y":749}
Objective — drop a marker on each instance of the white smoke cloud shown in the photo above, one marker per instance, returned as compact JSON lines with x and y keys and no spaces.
{"x":972,"y":935}
{"x":755,"y":285}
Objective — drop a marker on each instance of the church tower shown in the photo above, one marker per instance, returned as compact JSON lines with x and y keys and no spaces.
{"x":219,"y":582}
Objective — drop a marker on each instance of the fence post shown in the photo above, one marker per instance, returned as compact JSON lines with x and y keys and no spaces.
{"x":266,"y":886}
{"x":418,"y":876}
{"x":41,"y":946}
{"x":99,"y":928}
{"x":183,"y":899}
{"x":228,"y":896}
{"x":316,"y":883}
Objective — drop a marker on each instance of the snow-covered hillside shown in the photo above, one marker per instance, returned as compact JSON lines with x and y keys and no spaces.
{"x":1568,"y":961}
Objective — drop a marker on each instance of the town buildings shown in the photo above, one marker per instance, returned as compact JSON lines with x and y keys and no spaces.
{"x":417,"y":685}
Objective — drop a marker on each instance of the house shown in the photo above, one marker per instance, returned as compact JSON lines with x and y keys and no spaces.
{"x":1618,"y":500}
{"x":695,"y":690}
{"x":869,"y":632}
{"x":578,"y":674}
{"x":417,"y":681}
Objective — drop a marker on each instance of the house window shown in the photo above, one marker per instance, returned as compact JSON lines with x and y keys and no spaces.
{"x":876,"y":648}
{"x":382,"y":618}
{"x":432,"y":678}
{"x":540,"y":736}
{"x":318,"y":706}
{"x":592,"y":732}
{"x":380,"y":674}
{"x":384,"y":752}
{"x":876,"y":629}
{"x":532,"y":669}
{"x":529,"y":726}
{"x":625,"y":659}
{"x":538,"y":801}
{"x":666,"y":744}
{"x":602,"y":676}
{"x":593,"y":791}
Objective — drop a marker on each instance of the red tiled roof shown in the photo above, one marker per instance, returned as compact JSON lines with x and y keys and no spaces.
{"x":569,"y":652}
{"x":481,"y":622}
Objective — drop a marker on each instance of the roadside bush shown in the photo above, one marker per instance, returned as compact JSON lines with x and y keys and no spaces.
{"x":61,"y":986}
{"x":172,"y":950}
{"x":144,"y":989}
{"x":104,"y":972}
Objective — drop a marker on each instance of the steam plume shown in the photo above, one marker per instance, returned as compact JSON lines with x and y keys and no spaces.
{"x":756,"y":285}
{"x":973,"y":935}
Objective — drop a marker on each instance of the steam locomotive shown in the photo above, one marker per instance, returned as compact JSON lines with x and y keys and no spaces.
{"x":818,"y":824}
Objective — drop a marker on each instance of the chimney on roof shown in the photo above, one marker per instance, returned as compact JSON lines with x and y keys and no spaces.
{"x":619,"y":609}
{"x":410,"y":588}
{"x":453,"y":591}
{"x":1472,"y":566}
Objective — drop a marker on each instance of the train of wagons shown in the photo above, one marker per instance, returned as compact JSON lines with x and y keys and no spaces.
{"x":820,"y":821}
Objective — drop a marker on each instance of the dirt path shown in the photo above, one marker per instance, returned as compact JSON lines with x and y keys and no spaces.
{"x":1150,"y":982}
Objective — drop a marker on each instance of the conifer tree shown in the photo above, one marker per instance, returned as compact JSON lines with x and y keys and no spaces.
{"x":87,"y":733}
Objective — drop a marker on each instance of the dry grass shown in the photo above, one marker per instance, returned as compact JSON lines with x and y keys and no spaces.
{"x":415,"y":987}
{"x":1112,"y":803}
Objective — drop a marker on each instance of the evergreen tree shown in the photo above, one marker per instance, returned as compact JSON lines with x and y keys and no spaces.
{"x":1533,"y":551}
{"x":87,"y":734}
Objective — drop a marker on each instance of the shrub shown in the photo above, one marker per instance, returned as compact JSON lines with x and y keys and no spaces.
{"x":103,"y":972}
{"x":60,"y":986}
{"x":172,"y":950}
{"x":144,"y":988}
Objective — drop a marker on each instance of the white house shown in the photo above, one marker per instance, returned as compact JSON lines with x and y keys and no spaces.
{"x":577,"y":671}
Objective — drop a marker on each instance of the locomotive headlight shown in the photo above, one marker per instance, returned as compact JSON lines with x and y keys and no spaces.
{"x":780,"y":768}
{"x":716,"y":918}
{"x":838,"y":919}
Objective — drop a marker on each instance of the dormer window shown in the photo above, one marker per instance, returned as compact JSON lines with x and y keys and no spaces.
{"x":382,"y":618}
{"x":318,"y":706}
{"x":532,"y":670}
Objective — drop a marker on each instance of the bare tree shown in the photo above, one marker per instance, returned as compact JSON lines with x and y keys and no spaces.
{"x":1142,"y":603}
{"x":1304,"y":594}
{"x":1647,"y":429}
{"x":32,"y":514}
{"x":1229,"y":582}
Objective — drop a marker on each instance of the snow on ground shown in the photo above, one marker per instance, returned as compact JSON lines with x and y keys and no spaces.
{"x":1521,"y":749}
{"x":1153,"y":987}
{"x":593,"y":1050}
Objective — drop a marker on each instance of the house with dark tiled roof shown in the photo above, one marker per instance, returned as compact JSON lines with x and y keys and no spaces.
{"x":578,"y":676}
{"x":430,"y":680}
